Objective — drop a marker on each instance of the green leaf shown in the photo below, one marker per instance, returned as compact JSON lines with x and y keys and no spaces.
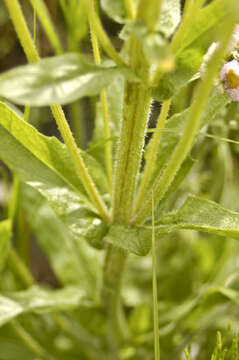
{"x":39,"y":300}
{"x":195,"y":214}
{"x":114,"y":9}
{"x":169,"y":17}
{"x":135,"y":239}
{"x":44,"y":162}
{"x":204,"y":30}
{"x":201,"y":215}
{"x":58,"y":80}
{"x":70,"y":257}
{"x":5,"y":235}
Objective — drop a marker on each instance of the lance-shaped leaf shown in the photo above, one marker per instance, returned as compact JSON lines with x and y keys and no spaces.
{"x":5,"y":235}
{"x":44,"y":162}
{"x":202,"y":215}
{"x":169,"y":17}
{"x":58,"y":80}
{"x":63,"y":240}
{"x":195,"y":214}
{"x":40,"y":300}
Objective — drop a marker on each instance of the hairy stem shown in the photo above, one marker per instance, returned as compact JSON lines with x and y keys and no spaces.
{"x":155,"y":289}
{"x":47,"y":24}
{"x":152,"y":154}
{"x":185,"y":144}
{"x":137,"y":102}
{"x":102,"y":36}
{"x":32,"y":56}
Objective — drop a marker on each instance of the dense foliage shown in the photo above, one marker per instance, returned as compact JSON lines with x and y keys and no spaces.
{"x":132,"y":204}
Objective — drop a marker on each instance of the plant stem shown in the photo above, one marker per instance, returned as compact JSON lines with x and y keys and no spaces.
{"x":112,"y":277}
{"x":155,"y":290}
{"x":32,"y":55}
{"x":130,"y":8}
{"x":103,"y":98}
{"x":79,"y":162}
{"x":102,"y":36}
{"x":152,"y":154}
{"x":22,"y":31}
{"x":137,"y":102}
{"x":135,"y":117}
{"x":47,"y":24}
{"x":183,"y":147}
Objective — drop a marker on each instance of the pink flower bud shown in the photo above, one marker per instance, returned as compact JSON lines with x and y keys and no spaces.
{"x":230,"y":77}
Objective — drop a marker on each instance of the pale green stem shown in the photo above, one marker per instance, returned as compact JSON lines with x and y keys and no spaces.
{"x":102,"y":36}
{"x":136,"y":110}
{"x":47,"y":24}
{"x":103,"y":98}
{"x":32,"y":55}
{"x":22,"y":31}
{"x":187,"y":21}
{"x":135,"y":117}
{"x":130,"y":8}
{"x":152,"y":154}
{"x":155,"y":289}
{"x":185,"y":144}
{"x":112,"y":278}
{"x":78,"y":161}
{"x":187,"y":5}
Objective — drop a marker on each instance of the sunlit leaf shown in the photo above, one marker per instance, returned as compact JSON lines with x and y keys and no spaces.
{"x":114,"y":9}
{"x":57,"y":80}
{"x":169,"y":17}
{"x":70,"y":257}
{"x":44,"y":162}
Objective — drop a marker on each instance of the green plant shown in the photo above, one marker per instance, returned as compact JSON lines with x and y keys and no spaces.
{"x":97,"y":210}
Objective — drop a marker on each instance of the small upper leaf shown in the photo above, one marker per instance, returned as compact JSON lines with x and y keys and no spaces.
{"x":114,"y":9}
{"x":57,"y":80}
{"x":169,"y":17}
